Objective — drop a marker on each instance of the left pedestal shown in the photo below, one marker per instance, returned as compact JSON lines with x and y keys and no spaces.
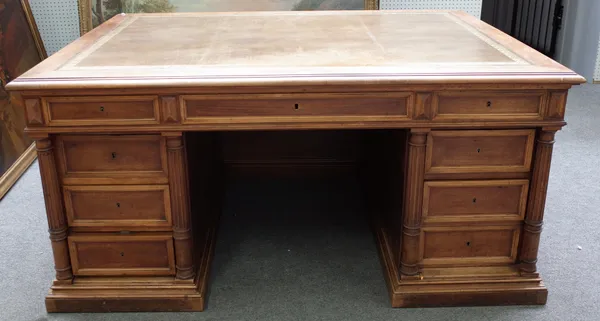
{"x":119,"y":213}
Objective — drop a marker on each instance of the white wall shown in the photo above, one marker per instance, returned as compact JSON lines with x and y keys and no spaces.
{"x":578,"y":40}
{"x":472,"y":7}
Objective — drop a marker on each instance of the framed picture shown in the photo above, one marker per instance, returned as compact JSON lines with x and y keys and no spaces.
{"x":21,"y":48}
{"x":92,"y":13}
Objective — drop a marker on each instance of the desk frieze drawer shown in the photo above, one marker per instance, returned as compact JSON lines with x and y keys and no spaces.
{"x":103,"y":255}
{"x":489,"y":105}
{"x":473,"y":245}
{"x":101,"y":110}
{"x":474,"y":201}
{"x":295,"y":108}
{"x":479,"y":151}
{"x":107,"y":159}
{"x":120,"y":206}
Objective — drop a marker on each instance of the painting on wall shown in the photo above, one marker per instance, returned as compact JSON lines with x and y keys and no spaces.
{"x":20,"y":49}
{"x":92,"y":13}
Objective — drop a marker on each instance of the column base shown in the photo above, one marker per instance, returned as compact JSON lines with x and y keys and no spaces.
{"x":459,"y":286}
{"x":135,"y":294}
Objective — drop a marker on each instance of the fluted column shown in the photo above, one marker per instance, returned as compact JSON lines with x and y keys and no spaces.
{"x":537,"y":200}
{"x":413,"y":196}
{"x":182,"y":233}
{"x":57,"y":221}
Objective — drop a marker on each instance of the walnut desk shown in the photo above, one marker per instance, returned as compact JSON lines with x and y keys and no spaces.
{"x":136,"y":122}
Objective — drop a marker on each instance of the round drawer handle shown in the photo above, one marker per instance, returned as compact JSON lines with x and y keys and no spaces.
{"x":479,"y":150}
{"x":468,"y":243}
{"x":489,"y":103}
{"x":113,"y":155}
{"x":101,"y":108}
{"x":122,"y":253}
{"x":296,"y":106}
{"x":118,"y":204}
{"x":474,"y":200}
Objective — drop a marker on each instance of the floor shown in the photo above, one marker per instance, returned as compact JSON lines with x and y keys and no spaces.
{"x":334,"y":273}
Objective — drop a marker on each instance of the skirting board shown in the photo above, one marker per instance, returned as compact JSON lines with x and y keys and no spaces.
{"x":17,"y":169}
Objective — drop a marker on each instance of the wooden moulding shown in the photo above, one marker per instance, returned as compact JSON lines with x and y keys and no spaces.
{"x":507,"y":289}
{"x":17,"y":169}
{"x":134,"y":294}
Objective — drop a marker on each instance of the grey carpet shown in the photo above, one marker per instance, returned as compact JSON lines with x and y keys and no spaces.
{"x":330,"y":271}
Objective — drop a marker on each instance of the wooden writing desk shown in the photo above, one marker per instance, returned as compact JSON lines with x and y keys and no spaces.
{"x":449,"y":123}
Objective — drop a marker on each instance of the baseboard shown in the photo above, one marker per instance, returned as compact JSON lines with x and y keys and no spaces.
{"x":11,"y":176}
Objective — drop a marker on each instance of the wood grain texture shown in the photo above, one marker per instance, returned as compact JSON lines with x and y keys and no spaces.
{"x":479,"y":151}
{"x":33,"y":112}
{"x":169,"y":109}
{"x":413,"y":197}
{"x":475,"y":245}
{"x":122,"y":254}
{"x":449,"y":47}
{"x":441,"y":289}
{"x":557,"y":104}
{"x":475,"y":201}
{"x":121,"y":206}
{"x":57,"y":221}
{"x":208,"y":109}
{"x":101,"y":110}
{"x":10,"y":177}
{"x":180,"y":202}
{"x":106,"y":159}
{"x":537,"y":201}
{"x":475,"y":105}
{"x":20,"y":49}
{"x":434,"y":111}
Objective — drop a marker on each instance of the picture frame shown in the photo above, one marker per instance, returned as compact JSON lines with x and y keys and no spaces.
{"x":21,"y":48}
{"x":88,"y":18}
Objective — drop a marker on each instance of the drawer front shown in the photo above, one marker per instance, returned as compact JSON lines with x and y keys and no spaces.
{"x":96,"y":254}
{"x":295,"y":108}
{"x":101,"y":110}
{"x":489,"y":105}
{"x":469,"y":246}
{"x":118,"y":206}
{"x":457,"y":201}
{"x":117,"y":156}
{"x":479,"y":151}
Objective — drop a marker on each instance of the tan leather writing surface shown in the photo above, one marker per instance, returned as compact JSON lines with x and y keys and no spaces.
{"x":303,"y":47}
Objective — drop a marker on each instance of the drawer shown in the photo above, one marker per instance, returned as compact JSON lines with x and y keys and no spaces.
{"x":457,"y":201}
{"x":474,"y":245}
{"x":97,"y":254}
{"x":118,"y":206}
{"x":489,"y":105}
{"x":295,"y":108}
{"x":479,"y":151}
{"x":104,"y":156}
{"x":101,"y":110}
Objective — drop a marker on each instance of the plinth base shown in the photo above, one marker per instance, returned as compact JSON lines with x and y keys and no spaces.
{"x":454,"y":289}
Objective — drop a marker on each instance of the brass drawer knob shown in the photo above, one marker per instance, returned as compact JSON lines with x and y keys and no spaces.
{"x":489,"y":103}
{"x":118,"y":204}
{"x":474,"y":200}
{"x":468,"y":243}
{"x":101,"y":108}
{"x":296,"y":106}
{"x":113,"y":155}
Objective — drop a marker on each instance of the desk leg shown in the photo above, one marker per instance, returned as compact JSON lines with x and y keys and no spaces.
{"x":57,"y":221}
{"x":413,"y":198}
{"x":537,"y":200}
{"x":180,"y":202}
